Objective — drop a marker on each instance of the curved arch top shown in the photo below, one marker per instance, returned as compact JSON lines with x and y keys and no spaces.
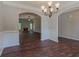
{"x":29,"y":13}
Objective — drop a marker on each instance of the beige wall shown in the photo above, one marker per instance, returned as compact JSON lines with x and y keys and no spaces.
{"x":0,"y":16}
{"x":1,"y":29}
{"x":11,"y":18}
{"x":69,"y":25}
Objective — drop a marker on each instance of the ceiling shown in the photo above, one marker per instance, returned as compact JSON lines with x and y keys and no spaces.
{"x":38,"y":4}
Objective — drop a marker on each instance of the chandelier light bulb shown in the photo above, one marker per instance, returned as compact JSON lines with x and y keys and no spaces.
{"x":57,"y":5}
{"x":45,"y":10}
{"x":43,"y":7}
{"x":51,"y":9}
{"x":50,"y":3}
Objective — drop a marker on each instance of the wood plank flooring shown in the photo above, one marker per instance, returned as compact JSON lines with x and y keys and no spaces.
{"x":34,"y":47}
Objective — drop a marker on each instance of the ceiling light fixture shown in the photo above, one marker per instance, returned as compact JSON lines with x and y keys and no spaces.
{"x":50,"y":9}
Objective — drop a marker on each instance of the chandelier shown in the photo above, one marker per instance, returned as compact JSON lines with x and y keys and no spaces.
{"x":50,"y":9}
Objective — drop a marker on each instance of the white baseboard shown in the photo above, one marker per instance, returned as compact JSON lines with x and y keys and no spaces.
{"x":66,"y":36}
{"x":1,"y":42}
{"x":43,"y":39}
{"x":55,"y":40}
{"x":1,"y":50}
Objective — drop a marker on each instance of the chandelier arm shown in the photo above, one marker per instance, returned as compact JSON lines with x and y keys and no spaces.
{"x":51,"y":9}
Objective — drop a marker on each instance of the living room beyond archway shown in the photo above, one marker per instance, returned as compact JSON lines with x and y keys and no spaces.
{"x":29,"y":28}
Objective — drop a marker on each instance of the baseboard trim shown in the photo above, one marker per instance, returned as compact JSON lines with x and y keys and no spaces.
{"x":60,"y":38}
{"x":69,"y":37}
{"x":55,"y":40}
{"x":1,"y":42}
{"x":48,"y":39}
{"x":1,"y":50}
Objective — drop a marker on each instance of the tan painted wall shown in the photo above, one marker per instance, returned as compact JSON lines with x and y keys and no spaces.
{"x":69,"y":25}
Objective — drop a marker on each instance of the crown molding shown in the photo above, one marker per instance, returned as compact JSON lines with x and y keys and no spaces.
{"x":69,"y":8}
{"x":64,"y":9}
{"x":18,"y":5}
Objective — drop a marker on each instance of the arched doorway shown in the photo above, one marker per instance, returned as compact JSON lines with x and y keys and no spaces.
{"x":29,"y":28}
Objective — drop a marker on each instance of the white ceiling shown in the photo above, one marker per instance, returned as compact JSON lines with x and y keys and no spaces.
{"x":38,"y":4}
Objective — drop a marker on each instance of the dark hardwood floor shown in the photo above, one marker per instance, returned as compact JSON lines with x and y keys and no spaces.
{"x":29,"y":38}
{"x":34,"y":47}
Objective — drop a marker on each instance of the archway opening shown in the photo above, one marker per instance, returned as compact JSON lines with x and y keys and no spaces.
{"x":29,"y":28}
